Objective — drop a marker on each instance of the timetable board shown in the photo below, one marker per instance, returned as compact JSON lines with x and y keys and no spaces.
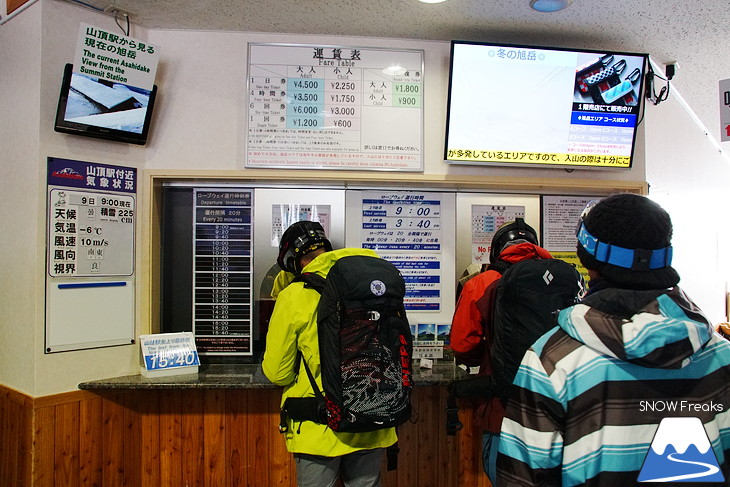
{"x":335,"y":107}
{"x":405,"y":228}
{"x":222,"y":297}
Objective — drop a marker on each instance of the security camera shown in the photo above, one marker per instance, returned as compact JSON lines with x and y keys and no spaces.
{"x":670,"y":69}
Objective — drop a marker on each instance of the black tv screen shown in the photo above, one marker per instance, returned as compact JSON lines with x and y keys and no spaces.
{"x":512,"y":105}
{"x":100,"y":108}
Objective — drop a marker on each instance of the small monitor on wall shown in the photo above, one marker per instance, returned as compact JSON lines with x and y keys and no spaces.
{"x":96,"y":107}
{"x":512,"y":105}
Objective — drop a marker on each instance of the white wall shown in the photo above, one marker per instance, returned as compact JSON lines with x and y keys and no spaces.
{"x":20,"y":297}
{"x":198,"y":124}
{"x":690,"y":178}
{"x":201,"y":100}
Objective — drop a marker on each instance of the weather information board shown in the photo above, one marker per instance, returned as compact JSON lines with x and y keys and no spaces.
{"x":90,"y":229}
{"x":222,"y":271}
{"x":335,"y":107}
{"x":405,"y":229}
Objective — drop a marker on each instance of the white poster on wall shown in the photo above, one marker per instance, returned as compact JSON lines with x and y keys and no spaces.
{"x":406,"y":229}
{"x":330,"y":107}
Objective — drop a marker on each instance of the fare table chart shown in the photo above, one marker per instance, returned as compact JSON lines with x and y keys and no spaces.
{"x":335,"y":107}
{"x":222,"y":271}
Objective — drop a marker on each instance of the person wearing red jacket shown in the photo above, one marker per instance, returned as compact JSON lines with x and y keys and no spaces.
{"x":513,"y":242}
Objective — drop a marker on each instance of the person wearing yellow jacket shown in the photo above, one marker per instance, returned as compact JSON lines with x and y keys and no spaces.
{"x":321,"y":454}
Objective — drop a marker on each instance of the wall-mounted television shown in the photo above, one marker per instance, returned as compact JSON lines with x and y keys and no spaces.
{"x":104,"y":109}
{"x":512,"y":105}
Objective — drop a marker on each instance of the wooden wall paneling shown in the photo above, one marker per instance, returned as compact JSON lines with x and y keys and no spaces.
{"x":237,"y":437}
{"x":11,"y":438}
{"x":408,"y":457}
{"x":215,"y":438}
{"x":470,"y":465}
{"x":427,"y":437}
{"x":264,"y":467}
{"x":132,"y":439}
{"x":448,"y":456}
{"x":209,"y":438}
{"x":170,"y":438}
{"x":25,"y":465}
{"x":149,"y":430}
{"x":193,"y":438}
{"x":12,"y":5}
{"x":66,"y":454}
{"x":112,"y":440}
{"x":91,"y":442}
{"x":284,"y":470}
{"x":44,"y":443}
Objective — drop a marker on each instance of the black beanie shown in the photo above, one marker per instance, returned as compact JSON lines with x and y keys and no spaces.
{"x":632,"y":222}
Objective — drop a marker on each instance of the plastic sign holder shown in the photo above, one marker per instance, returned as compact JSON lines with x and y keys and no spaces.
{"x":166,"y":354}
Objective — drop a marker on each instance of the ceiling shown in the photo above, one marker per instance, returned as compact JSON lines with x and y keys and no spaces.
{"x":694,"y":34}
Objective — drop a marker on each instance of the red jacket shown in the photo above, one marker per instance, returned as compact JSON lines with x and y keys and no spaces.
{"x":473,"y":310}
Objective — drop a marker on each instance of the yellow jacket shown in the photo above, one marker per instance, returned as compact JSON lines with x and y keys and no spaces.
{"x":292,"y":328}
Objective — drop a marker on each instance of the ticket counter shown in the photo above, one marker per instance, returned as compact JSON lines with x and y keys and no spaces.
{"x":219,"y":427}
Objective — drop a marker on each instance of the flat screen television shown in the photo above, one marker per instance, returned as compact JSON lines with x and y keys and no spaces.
{"x":96,"y":107}
{"x":512,"y":105}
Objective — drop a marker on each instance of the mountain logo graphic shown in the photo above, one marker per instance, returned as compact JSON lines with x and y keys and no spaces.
{"x":681,"y":452}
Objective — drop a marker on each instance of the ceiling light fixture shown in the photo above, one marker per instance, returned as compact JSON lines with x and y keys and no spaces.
{"x":432,"y":1}
{"x":549,"y":5}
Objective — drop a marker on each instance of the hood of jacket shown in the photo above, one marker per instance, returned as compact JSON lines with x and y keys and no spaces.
{"x":523,"y":251}
{"x":652,"y":328}
{"x":323,"y":262}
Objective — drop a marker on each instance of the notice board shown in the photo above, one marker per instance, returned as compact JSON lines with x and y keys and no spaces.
{"x":91,"y":214}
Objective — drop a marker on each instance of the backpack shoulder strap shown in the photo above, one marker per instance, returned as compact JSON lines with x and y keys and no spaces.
{"x":499,"y":265}
{"x":311,"y":279}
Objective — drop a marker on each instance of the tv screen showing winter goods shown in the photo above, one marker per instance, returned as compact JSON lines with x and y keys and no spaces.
{"x":513,"y":105}
{"x":100,"y":108}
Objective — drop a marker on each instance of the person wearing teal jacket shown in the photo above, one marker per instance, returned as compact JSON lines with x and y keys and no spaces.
{"x":633,"y":385}
{"x":321,"y":454}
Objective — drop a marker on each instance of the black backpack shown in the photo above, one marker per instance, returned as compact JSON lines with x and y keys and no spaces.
{"x":365,"y":348}
{"x":525,"y":302}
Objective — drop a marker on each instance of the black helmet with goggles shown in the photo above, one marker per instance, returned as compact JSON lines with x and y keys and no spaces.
{"x":516,"y":230}
{"x":298,"y":240}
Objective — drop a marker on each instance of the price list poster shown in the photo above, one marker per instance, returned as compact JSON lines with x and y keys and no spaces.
{"x":335,"y":107}
{"x":406,"y":229}
{"x":222,"y":297}
{"x":486,"y":220}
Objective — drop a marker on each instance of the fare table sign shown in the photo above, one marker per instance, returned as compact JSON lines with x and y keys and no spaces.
{"x":485,"y":221}
{"x":335,"y":107}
